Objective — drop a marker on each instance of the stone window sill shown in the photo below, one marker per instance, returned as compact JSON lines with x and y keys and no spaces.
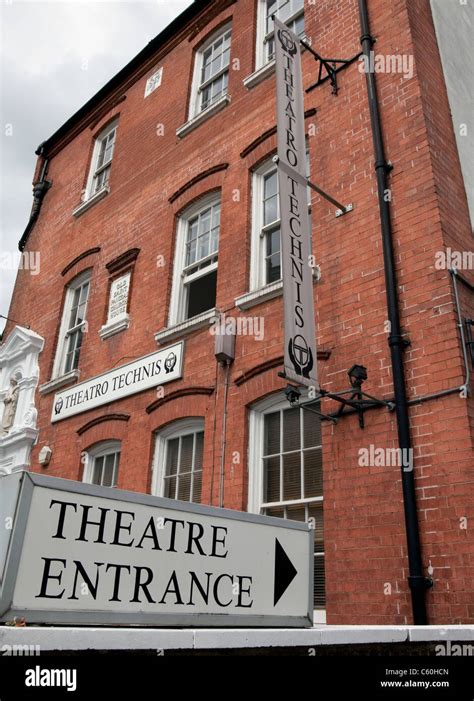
{"x":68,"y":378}
{"x":115,"y":327}
{"x":186,"y":327}
{"x":217,"y":106}
{"x":84,"y":206}
{"x":252,"y":299}
{"x":259,"y":75}
{"x":263,"y":294}
{"x":267,"y":69}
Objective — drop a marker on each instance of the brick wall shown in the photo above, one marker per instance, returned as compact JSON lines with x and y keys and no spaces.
{"x":364,"y":523}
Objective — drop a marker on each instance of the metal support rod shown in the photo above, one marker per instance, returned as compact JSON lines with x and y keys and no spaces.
{"x":7,"y":318}
{"x":326,"y":196}
{"x":343,"y":209}
{"x":417,"y":581}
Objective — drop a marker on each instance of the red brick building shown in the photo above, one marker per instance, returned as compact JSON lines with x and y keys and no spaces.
{"x":161,"y":214}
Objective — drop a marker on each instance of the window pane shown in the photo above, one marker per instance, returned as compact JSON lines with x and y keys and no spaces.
{"x":296,"y":512}
{"x":292,"y":476}
{"x":191,"y":252}
{"x":170,"y":487}
{"x":272,"y":433}
{"x":315,"y":512}
{"x":273,"y":268}
{"x":197,"y":487}
{"x":270,"y":198}
{"x":291,"y":429}
{"x":298,"y":25}
{"x":273,"y":242}
{"x":75,"y":301}
{"x":313,"y":473}
{"x":206,"y":97}
{"x":184,"y":487}
{"x":276,"y":511}
{"x":73,"y":349}
{"x":83,"y":293}
{"x":270,"y":213}
{"x":271,"y":487}
{"x":203,"y":249}
{"x":201,"y":294}
{"x":198,"y":450}
{"x":312,"y":427}
{"x":108,"y":473}
{"x":186,"y":460}
{"x":172,"y":456}
{"x":97,"y":470}
{"x":319,"y":583}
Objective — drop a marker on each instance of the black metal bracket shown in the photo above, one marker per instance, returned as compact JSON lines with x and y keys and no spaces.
{"x":358,"y":401}
{"x":332,"y":66}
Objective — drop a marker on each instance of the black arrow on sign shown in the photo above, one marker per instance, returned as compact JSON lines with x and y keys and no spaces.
{"x":285,"y":572}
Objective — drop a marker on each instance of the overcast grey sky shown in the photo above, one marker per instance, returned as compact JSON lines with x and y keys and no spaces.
{"x":54,"y":55}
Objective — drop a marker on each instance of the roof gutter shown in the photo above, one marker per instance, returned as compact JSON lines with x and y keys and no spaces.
{"x":39,"y":191}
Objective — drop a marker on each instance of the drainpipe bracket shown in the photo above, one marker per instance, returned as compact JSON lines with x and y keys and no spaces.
{"x":399,"y":341}
{"x":368,"y":37}
{"x":419,"y":582}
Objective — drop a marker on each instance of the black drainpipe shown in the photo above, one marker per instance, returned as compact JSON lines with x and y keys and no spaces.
{"x":39,"y":191}
{"x":417,"y":581}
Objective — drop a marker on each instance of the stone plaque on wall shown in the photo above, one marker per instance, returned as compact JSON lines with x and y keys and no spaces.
{"x":118,"y":298}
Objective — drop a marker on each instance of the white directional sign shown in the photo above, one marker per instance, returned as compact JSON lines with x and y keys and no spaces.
{"x":149,"y":371}
{"x":82,"y":554}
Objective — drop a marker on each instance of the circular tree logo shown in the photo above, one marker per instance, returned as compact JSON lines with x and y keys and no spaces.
{"x":287,"y":41}
{"x":301,"y":355}
{"x":170,"y":362}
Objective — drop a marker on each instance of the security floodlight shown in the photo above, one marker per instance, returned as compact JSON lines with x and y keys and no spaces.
{"x":292,"y":394}
{"x":357,"y":375}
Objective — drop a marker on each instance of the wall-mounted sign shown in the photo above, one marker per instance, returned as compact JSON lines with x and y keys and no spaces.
{"x":82,"y":554}
{"x":118,"y":298}
{"x":154,"y":81}
{"x":150,"y":371}
{"x":300,"y":334}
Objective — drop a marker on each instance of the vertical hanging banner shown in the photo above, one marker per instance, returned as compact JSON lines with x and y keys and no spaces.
{"x":300,"y":333}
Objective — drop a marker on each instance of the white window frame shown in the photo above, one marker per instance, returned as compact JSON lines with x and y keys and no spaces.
{"x":90,"y":192}
{"x":178,"y":293}
{"x":64,"y":331}
{"x":258,"y":241}
{"x":196,"y":86}
{"x":262,"y":38}
{"x":256,"y":503}
{"x":101,"y":450}
{"x":182,"y":427}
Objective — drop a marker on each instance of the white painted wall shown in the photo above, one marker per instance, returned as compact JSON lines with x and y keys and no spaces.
{"x":454,"y":25}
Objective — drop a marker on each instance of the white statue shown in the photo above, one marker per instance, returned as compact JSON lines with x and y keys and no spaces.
{"x":10,"y":402}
